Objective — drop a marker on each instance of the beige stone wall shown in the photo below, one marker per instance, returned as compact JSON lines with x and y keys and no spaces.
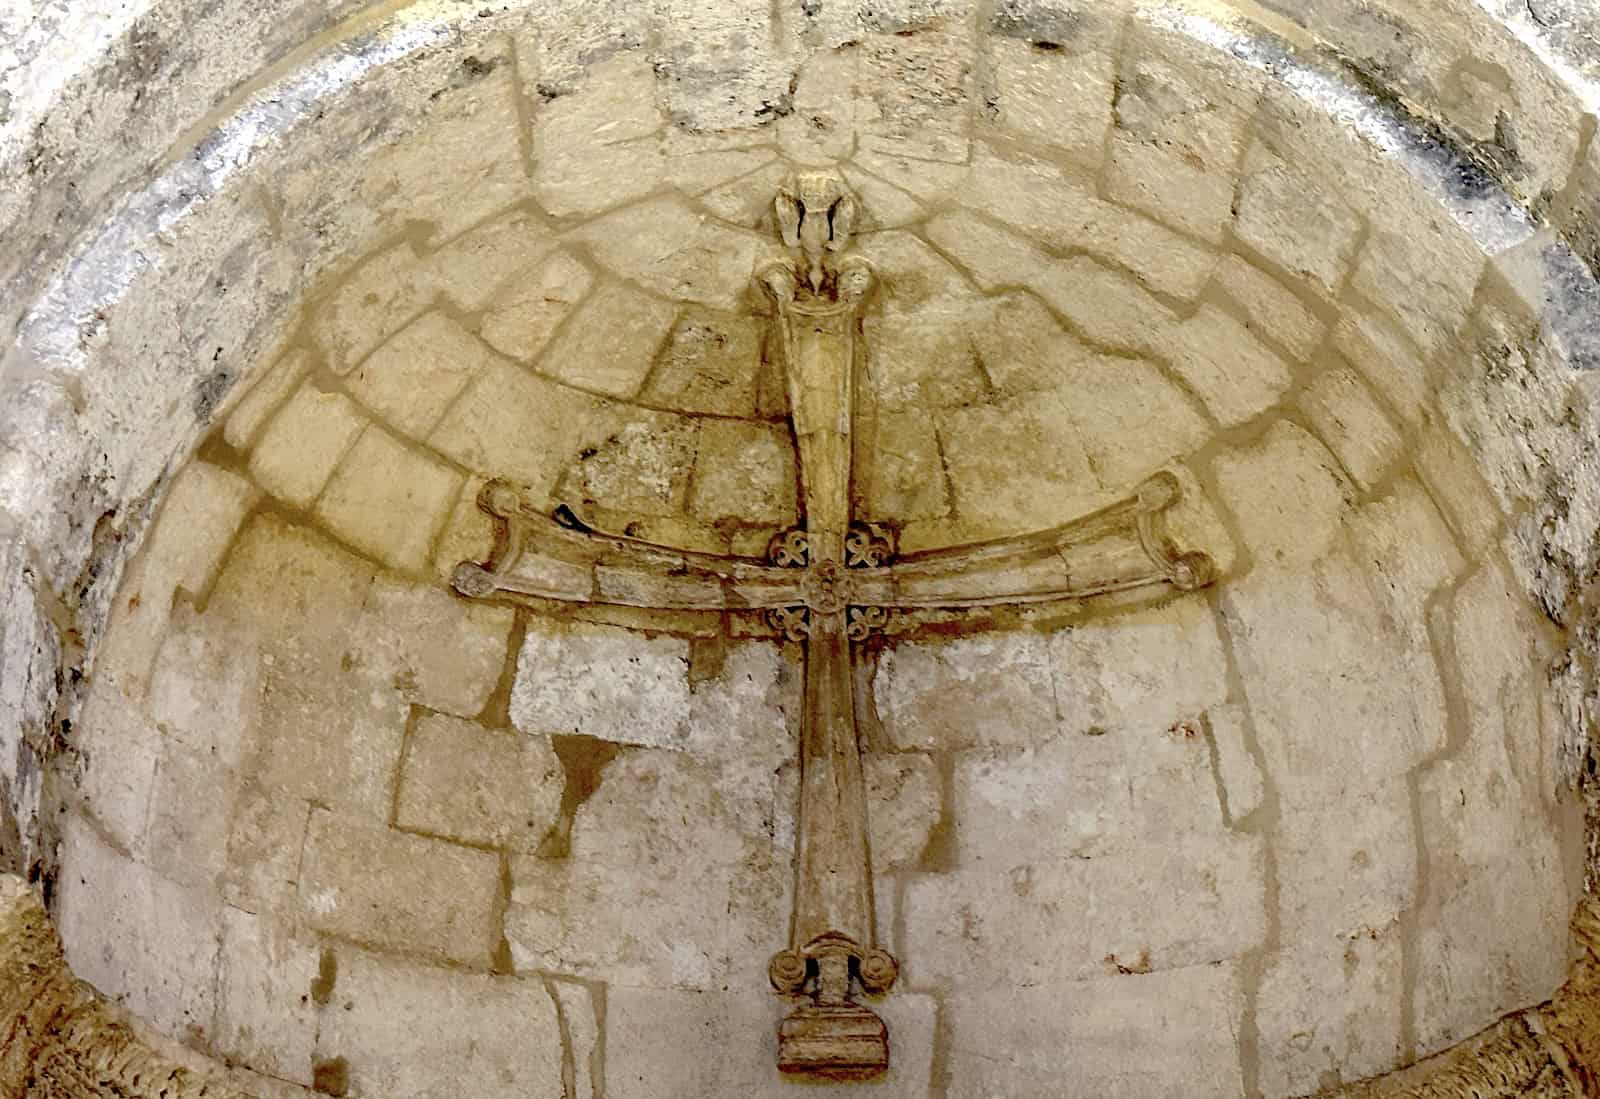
{"x":1306,"y":827}
{"x":1301,"y":829}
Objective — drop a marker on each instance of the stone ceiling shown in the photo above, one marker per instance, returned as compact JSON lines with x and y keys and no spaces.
{"x":1305,"y":826}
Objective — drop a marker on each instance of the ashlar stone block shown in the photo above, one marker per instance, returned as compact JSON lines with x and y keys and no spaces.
{"x":398,"y":892}
{"x":474,"y":129}
{"x":485,"y":787}
{"x":1163,"y":1033}
{"x":1287,"y":495}
{"x":381,"y":296}
{"x":182,"y":553}
{"x":266,"y":836}
{"x":990,"y":690}
{"x":1239,"y":775}
{"x":1038,"y":199}
{"x":1059,"y":101}
{"x":899,"y":470}
{"x":1160,"y":184}
{"x":675,"y":880}
{"x":641,"y":470}
{"x":299,"y":449}
{"x":1292,"y":220}
{"x":330,"y":732}
{"x":191,"y":803}
{"x":905,"y":800}
{"x":1106,"y":795}
{"x":1354,"y":426}
{"x":521,"y":321}
{"x":1274,"y":312}
{"x":1041,"y":922}
{"x":667,"y":247}
{"x":438,"y":651}
{"x":1236,"y":375}
{"x":602,"y":681}
{"x":412,"y":379}
{"x":1347,"y":867}
{"x":744,"y":471}
{"x":1131,"y":417}
{"x":1388,"y":360}
{"x":205,"y":691}
{"x":145,"y":942}
{"x":1145,"y":671}
{"x":612,"y":341}
{"x":736,"y":1034}
{"x":1106,"y":307}
{"x":1318,"y":653}
{"x":266,"y":1017}
{"x":119,"y":747}
{"x":916,"y":93}
{"x":265,"y":396}
{"x":1017,"y":465}
{"x":389,"y":500}
{"x":711,"y":363}
{"x":477,"y":266}
{"x":290,"y":585}
{"x":1331,"y":1010}
{"x":488,"y":428}
{"x":386,"y":1029}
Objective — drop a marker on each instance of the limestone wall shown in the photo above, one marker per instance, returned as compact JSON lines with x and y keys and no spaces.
{"x":1307,"y":827}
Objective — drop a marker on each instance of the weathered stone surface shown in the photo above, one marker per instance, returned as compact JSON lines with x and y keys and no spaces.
{"x":436,"y":650}
{"x":612,"y":341}
{"x":903,"y":805}
{"x":388,"y":500}
{"x":1084,"y":797}
{"x":1049,"y":478}
{"x":945,"y":696}
{"x":737,"y":1031}
{"x":665,"y":246}
{"x":488,"y":787}
{"x":300,"y":448}
{"x":412,"y":379}
{"x":486,"y":430}
{"x":266,"y":1016}
{"x":744,"y":471}
{"x":399,"y":892}
{"x":147,"y":943}
{"x":1237,"y":383}
{"x":1286,"y":495}
{"x":710,"y":364}
{"x":264,"y":397}
{"x":1274,"y":312}
{"x":1316,"y":651}
{"x":1287,"y":218}
{"x":1062,"y":103}
{"x":1357,"y":1029}
{"x":604,"y":682}
{"x":521,"y":321}
{"x":674,"y":881}
{"x":1144,"y":672}
{"x":642,"y":470}
{"x":1343,"y":413}
{"x":1015,"y":935}
{"x":374,"y":302}
{"x":1166,"y":1033}
{"x":384,"y":1025}
{"x":476,"y":266}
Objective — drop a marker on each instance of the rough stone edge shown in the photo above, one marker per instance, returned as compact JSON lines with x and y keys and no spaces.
{"x":58,"y":1038}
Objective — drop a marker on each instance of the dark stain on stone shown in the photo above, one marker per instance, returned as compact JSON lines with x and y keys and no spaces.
{"x":477,"y":67}
{"x":327,"y":976}
{"x":331,"y":1077}
{"x":1035,"y":22}
{"x":212,"y":391}
{"x":584,"y":760}
{"x":708,"y":658}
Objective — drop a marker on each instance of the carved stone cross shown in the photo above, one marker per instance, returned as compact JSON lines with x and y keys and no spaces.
{"x":829,"y":585}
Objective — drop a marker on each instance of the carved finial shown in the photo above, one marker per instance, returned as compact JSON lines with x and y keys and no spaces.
{"x":816,"y":214}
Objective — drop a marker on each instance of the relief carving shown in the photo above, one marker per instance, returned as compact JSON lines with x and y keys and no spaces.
{"x":827,"y":587}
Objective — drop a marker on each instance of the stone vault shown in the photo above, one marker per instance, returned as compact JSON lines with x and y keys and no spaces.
{"x":309,"y":311}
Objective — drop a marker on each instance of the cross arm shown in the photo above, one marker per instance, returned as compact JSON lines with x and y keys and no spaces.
{"x":559,"y":557}
{"x":1120,"y":547}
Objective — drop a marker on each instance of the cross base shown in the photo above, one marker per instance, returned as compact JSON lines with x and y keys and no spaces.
{"x":842,"y":1042}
